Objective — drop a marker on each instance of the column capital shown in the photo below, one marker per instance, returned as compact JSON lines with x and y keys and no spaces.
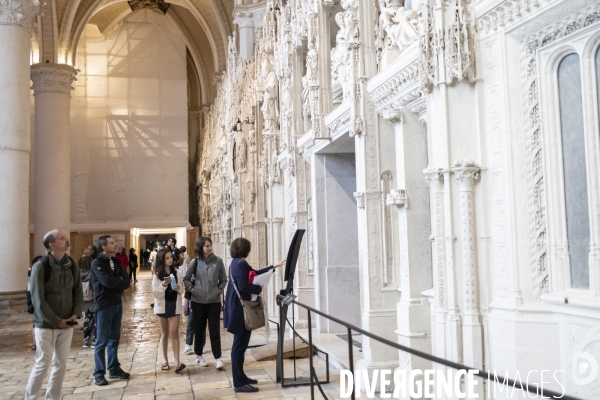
{"x":360,"y":199}
{"x":55,"y":78}
{"x":393,"y":114}
{"x":396,"y":197}
{"x":277,"y":220}
{"x":19,"y":13}
{"x":466,"y":173}
{"x":434,"y":178}
{"x":244,"y":19}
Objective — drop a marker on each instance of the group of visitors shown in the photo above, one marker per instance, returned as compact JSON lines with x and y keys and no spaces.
{"x":62,"y":289}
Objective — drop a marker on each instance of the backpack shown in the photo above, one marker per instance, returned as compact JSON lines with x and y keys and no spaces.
{"x":47,"y":273}
{"x":88,"y":293}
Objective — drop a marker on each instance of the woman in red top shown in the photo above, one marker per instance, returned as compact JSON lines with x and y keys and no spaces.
{"x":122,"y":257}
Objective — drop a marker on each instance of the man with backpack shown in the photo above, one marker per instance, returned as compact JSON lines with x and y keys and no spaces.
{"x":57,"y":298}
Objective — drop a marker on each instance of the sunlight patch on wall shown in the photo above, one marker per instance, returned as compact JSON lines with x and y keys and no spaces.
{"x":129,"y":123}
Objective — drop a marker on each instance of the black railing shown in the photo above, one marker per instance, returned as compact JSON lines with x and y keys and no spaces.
{"x":295,"y":381}
{"x":283,"y":301}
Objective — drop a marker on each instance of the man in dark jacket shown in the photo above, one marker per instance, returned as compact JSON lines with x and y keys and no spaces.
{"x":57,"y":299}
{"x":109,"y":280}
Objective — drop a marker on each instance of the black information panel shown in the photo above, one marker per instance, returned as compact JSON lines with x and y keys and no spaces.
{"x":292,"y":259}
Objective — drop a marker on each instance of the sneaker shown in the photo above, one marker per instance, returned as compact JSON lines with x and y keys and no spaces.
{"x":188,"y":349}
{"x":87,"y":343}
{"x":100,"y":381}
{"x":251,"y":381}
{"x":118,"y":374}
{"x":93,"y":345}
{"x":246,"y":389}
{"x":200,"y":360}
{"x":220,"y":365}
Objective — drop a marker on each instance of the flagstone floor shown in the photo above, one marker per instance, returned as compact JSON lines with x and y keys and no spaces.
{"x":139,"y":355}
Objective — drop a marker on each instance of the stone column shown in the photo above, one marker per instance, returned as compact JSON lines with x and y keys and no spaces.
{"x":245,"y":22}
{"x":435,"y":179}
{"x":269,"y":297}
{"x":467,"y":174}
{"x":16,"y":22}
{"x":52,"y":167}
{"x":276,"y":237}
{"x":411,"y":199}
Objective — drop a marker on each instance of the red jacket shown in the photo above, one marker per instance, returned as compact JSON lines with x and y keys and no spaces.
{"x":123,"y":259}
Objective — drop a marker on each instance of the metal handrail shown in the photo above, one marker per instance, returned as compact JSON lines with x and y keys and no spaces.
{"x":488,"y":376}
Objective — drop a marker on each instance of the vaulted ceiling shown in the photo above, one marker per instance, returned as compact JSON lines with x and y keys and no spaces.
{"x":204,"y":24}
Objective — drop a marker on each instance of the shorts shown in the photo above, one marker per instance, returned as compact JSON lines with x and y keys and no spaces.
{"x":170,"y":310}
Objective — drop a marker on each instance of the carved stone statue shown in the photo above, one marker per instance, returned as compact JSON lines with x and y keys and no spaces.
{"x":242,"y":155}
{"x":406,"y":28}
{"x":340,"y":55}
{"x":270,"y":97}
{"x":351,"y":19}
{"x":252,"y":137}
{"x":387,"y":11}
{"x":306,"y":103}
{"x":312,"y":59}
{"x":397,"y":28}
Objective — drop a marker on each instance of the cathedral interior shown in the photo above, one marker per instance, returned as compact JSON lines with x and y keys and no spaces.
{"x":442,"y":156}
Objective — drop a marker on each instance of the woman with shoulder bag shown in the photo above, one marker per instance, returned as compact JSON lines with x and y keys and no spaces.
{"x":233,"y":315}
{"x":168,"y":305}
{"x":206,"y":290}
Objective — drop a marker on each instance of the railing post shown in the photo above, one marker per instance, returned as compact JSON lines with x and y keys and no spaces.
{"x":310,"y":349}
{"x":294,"y":339}
{"x":351,"y":359}
{"x":280,"y":336}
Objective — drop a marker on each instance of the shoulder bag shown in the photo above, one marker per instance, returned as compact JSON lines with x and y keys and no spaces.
{"x":188,"y":295}
{"x":254,"y":314}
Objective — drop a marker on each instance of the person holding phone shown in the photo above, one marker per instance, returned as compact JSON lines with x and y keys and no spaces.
{"x":57,"y":298}
{"x":168,"y":305}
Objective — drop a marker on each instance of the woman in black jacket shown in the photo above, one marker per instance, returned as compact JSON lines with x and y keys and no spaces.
{"x":233,"y":314}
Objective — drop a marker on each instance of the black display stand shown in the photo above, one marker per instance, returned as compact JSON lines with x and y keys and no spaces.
{"x":290,"y":270}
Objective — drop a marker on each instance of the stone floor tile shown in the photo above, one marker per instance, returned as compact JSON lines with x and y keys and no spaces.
{"x":139,"y":354}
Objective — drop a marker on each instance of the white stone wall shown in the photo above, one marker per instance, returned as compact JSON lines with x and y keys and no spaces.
{"x":460,"y":96}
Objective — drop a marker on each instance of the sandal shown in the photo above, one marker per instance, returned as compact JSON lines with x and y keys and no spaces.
{"x":165,"y":366}
{"x":179,"y":368}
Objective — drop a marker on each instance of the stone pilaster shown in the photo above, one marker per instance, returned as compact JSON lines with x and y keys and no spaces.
{"x":245,"y":22}
{"x":16,"y":24}
{"x":411,"y":200}
{"x":52,"y":166}
{"x":435,"y":179}
{"x":467,"y":175}
{"x":377,"y":306}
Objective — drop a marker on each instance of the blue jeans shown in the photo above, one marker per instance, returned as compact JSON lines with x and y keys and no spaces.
{"x":108,"y":334}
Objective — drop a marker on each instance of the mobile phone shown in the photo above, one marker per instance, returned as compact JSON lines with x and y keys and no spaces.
{"x":72,"y":323}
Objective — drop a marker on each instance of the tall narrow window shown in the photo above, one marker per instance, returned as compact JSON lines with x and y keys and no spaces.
{"x":574,"y":164}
